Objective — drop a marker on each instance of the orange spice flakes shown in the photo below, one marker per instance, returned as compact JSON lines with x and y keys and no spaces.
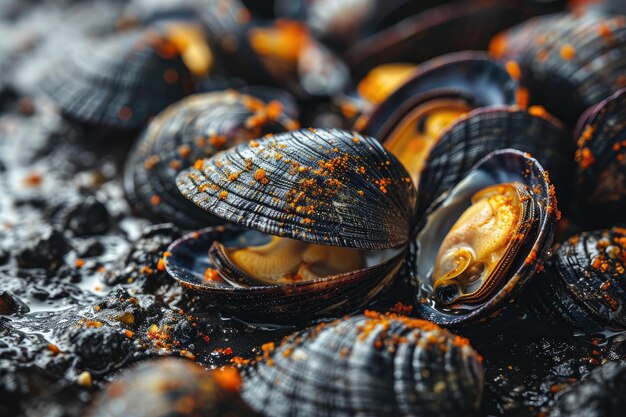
{"x":79,"y":263}
{"x":218,"y":141}
{"x":151,"y":162}
{"x":54,"y":349}
{"x":223,"y":195}
{"x":585,"y":158}
{"x":568,"y":52}
{"x":401,"y":309}
{"x":383,"y":183}
{"x":238,"y":360}
{"x":513,"y":69}
{"x":161,"y":265}
{"x":146,"y":270}
{"x":261,"y":176}
{"x":228,"y":378}
{"x":254,"y":143}
{"x":33,"y":179}
{"x":155,"y":200}
{"x":199,"y":164}
{"x":538,"y":111}
{"x":497,"y":46}
{"x":234,"y":176}
{"x":356,"y":140}
{"x":129,"y":334}
{"x":522,"y":97}
{"x":211,"y":274}
{"x":184,"y":151}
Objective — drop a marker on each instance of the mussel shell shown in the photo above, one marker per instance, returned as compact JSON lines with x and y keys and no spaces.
{"x":286,"y":303}
{"x":194,"y":128}
{"x":601,"y":158}
{"x":471,"y":76}
{"x":568,"y":61}
{"x":324,"y":186}
{"x":227,"y":23}
{"x":367,"y":365}
{"x":170,"y":387}
{"x":598,"y":394}
{"x":455,"y":26}
{"x":498,"y":167}
{"x":484,"y":130}
{"x":119,"y":82}
{"x":583,"y":282}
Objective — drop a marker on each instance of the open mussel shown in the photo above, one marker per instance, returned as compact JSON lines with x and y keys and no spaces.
{"x":172,"y":387}
{"x":194,"y":128}
{"x":367,"y":365}
{"x":309,"y":197}
{"x":601,"y":159}
{"x":410,"y":120}
{"x":583,"y":282}
{"x":481,"y":241}
{"x":568,"y":61}
{"x":119,"y":82}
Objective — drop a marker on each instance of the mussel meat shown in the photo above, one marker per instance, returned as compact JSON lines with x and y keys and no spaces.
{"x":481,"y":241}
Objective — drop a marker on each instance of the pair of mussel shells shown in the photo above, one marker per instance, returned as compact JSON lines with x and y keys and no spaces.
{"x":329,"y":217}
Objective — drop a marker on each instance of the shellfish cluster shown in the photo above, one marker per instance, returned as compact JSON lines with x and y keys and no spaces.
{"x":371,"y":200}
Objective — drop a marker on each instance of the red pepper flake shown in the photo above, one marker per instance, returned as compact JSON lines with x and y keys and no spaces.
{"x":54,"y":349}
{"x":161,"y":265}
{"x":261,"y":176}
{"x":217,"y":141}
{"x":254,"y":144}
{"x":129,"y":334}
{"x":79,"y":263}
{"x":223,"y":195}
{"x":184,"y":151}
{"x":34,"y":179}
{"x":124,"y":113}
{"x":513,"y":69}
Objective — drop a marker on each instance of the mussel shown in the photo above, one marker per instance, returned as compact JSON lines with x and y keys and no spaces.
{"x":367,"y":365}
{"x":194,"y":128}
{"x":309,"y":197}
{"x":481,"y":241}
{"x":582,"y":284}
{"x":568,"y":61}
{"x":601,"y":159}
{"x":454,"y":26}
{"x":172,"y":387}
{"x":411,"y":119}
{"x":319,"y":192}
{"x":599,"y":394}
{"x":121,"y":81}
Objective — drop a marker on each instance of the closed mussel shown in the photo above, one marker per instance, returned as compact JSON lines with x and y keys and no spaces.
{"x":119,"y":82}
{"x":583,"y":282}
{"x":367,"y":365}
{"x":410,"y":120}
{"x":172,"y":387}
{"x":481,"y":241}
{"x":326,"y":217}
{"x":568,"y":61}
{"x":191,"y":129}
{"x":601,"y":159}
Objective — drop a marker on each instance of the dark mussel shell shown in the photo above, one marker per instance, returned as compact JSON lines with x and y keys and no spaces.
{"x":451,"y":27}
{"x":227,"y":23}
{"x":583,"y":282}
{"x":601,"y":158}
{"x":188,"y":263}
{"x":367,"y":365}
{"x":568,"y":61}
{"x":471,"y":77}
{"x":341,"y":23}
{"x":322,"y":186}
{"x":191,"y":129}
{"x":599,"y":394}
{"x":502,"y":166}
{"x":172,"y":387}
{"x":119,"y":82}
{"x":484,"y":130}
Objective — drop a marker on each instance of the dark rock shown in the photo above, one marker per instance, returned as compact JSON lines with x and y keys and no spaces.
{"x":45,"y":251}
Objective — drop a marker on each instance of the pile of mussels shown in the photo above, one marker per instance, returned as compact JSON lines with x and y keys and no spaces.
{"x":312,"y":208}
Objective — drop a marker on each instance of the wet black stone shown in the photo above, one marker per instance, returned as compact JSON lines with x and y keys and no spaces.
{"x":45,"y":251}
{"x":10,"y":304}
{"x":89,"y":217}
{"x":101,"y":350}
